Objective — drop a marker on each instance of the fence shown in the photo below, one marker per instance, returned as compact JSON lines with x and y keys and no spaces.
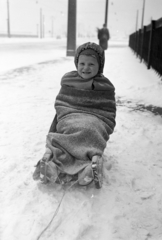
{"x":147,"y":44}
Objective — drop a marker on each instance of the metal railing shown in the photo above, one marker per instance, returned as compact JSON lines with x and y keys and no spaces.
{"x":147,"y":45}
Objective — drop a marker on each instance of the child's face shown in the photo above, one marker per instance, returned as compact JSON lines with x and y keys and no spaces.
{"x":87,"y":66}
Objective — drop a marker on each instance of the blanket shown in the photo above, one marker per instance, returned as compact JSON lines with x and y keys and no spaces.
{"x":85,"y":118}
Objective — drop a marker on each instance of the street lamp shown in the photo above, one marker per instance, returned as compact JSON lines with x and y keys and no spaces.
{"x":8,"y":19}
{"x":136,"y":21}
{"x":143,"y":11}
{"x":106,"y":12}
{"x":71,"y":28}
{"x":52,"y":26}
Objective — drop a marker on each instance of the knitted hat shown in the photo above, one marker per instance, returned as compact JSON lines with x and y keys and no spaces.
{"x":91,"y":49}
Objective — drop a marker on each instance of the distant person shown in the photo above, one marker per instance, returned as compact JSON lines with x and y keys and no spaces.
{"x":85,"y":117}
{"x":103,"y":36}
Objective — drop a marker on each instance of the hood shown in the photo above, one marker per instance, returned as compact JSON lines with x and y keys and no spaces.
{"x":97,"y":49}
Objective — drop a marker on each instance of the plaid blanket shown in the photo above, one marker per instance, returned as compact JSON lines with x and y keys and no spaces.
{"x":85,"y":118}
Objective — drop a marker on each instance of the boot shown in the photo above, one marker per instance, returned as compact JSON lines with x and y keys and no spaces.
{"x":85,"y":177}
{"x":46,"y":158}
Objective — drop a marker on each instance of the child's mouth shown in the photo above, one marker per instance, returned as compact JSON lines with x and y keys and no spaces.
{"x":86,"y":72}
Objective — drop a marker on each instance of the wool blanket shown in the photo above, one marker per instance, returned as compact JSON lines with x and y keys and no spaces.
{"x":85,"y":118}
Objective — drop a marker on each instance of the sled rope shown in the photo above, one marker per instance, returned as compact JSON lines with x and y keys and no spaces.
{"x":56,"y":211}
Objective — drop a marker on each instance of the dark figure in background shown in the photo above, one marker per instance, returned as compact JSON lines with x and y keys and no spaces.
{"x":103,"y":36}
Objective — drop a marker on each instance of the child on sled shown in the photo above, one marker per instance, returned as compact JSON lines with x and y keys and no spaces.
{"x":85,"y":118}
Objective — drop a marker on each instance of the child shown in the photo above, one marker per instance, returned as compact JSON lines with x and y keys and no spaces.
{"x":85,"y":117}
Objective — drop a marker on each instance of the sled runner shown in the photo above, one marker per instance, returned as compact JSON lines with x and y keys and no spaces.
{"x":48,"y":172}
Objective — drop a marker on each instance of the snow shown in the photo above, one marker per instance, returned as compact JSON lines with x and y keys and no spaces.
{"x":129,"y":205}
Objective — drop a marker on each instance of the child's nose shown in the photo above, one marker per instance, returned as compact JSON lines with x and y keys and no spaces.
{"x":86,"y":66}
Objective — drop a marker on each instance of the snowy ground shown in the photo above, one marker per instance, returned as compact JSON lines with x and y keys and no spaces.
{"x":129,"y":205}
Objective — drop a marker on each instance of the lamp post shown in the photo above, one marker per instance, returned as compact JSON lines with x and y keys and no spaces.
{"x":136,"y":21}
{"x":52,"y":25}
{"x":143,"y":12}
{"x":71,"y":30}
{"x":106,"y":12}
{"x":37,"y":30}
{"x":8,"y":19}
{"x":41,"y":30}
{"x":43,"y":26}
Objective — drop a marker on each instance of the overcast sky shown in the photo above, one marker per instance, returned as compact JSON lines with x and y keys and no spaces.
{"x":25,"y":15}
